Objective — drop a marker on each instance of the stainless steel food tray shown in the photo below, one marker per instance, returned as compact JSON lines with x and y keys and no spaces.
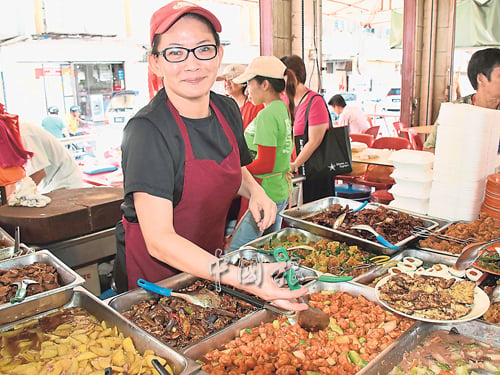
{"x":125,"y":301}
{"x":295,"y":217}
{"x":197,"y":351}
{"x":80,"y":297}
{"x":478,"y":330}
{"x":273,"y":239}
{"x":428,"y":258}
{"x":68,"y":279}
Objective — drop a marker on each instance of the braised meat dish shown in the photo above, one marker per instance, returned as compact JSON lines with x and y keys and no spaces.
{"x":430,"y":297}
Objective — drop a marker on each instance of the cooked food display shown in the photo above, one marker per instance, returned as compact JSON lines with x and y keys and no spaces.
{"x":489,"y":261}
{"x":45,"y":275}
{"x":492,"y":315}
{"x":327,"y":256}
{"x":179,"y":323}
{"x":394,"y":225}
{"x":429,"y":297}
{"x":444,"y":352}
{"x":359,"y":330}
{"x":481,"y":229}
{"x":71,"y":341}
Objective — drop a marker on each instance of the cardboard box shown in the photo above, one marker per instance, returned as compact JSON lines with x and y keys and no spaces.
{"x":91,"y":276}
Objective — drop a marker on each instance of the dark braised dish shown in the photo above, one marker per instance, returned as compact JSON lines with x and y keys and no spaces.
{"x":179,"y":323}
{"x":45,"y":275}
{"x":395,"y":226}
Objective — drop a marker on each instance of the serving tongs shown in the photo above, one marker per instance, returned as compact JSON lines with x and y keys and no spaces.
{"x":424,"y":232}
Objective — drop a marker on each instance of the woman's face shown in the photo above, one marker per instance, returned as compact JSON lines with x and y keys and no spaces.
{"x":255,"y":92}
{"x":191,"y":78}
{"x":231,"y":88}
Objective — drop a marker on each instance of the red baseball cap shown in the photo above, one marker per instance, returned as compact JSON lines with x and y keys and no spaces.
{"x":166,"y":16}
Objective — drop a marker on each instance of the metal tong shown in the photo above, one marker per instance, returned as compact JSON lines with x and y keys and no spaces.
{"x":380,"y":260}
{"x":424,"y":232}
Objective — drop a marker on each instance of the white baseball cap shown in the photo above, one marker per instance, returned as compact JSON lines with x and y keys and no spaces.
{"x":265,"y":66}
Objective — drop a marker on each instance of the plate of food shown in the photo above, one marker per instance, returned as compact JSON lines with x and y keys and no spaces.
{"x":489,"y":260}
{"x":433,"y":299}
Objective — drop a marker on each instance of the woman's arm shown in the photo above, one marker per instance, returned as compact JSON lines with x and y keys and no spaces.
{"x":315,"y":136}
{"x":156,"y":221}
{"x":264,"y":163}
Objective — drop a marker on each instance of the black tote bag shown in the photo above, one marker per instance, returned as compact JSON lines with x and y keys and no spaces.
{"x":333,"y":156}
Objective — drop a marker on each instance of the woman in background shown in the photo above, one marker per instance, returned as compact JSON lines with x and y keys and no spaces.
{"x":315,"y":186}
{"x":269,"y":138}
{"x":237,"y":91}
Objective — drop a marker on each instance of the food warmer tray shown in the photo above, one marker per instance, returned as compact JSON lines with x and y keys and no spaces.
{"x":428,"y":258}
{"x":80,"y":297}
{"x":39,"y":302}
{"x":274,"y":239}
{"x":295,"y":217}
{"x":125,"y":301}
{"x":198,"y":350}
{"x":475,"y":329}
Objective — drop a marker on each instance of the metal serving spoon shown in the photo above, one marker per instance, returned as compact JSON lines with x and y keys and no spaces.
{"x":378,"y":236}
{"x":471,"y":253}
{"x":203,"y":297}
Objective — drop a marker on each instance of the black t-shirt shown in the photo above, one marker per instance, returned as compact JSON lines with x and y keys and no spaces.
{"x":153,"y":152}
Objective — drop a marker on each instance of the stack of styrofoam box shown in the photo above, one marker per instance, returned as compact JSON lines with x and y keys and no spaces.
{"x":413,"y":177}
{"x":466,"y":153}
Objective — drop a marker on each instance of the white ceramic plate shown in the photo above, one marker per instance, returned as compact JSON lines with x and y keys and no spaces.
{"x":480,"y":306}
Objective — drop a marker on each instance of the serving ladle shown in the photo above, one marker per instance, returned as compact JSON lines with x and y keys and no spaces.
{"x":471,"y":253}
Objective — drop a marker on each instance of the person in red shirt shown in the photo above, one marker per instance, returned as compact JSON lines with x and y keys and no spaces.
{"x":237,"y":91}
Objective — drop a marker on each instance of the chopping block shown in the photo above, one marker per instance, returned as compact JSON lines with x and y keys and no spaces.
{"x":71,"y":213}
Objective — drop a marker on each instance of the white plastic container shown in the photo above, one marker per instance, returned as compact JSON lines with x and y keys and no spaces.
{"x":419,"y":206}
{"x":420,"y":182}
{"x":413,"y":162}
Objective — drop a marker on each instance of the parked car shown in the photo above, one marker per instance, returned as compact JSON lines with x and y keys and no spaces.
{"x":122,"y":106}
{"x":392,"y":101}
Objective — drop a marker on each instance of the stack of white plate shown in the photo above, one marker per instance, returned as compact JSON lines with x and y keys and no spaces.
{"x":466,"y":153}
{"x":413,"y":177}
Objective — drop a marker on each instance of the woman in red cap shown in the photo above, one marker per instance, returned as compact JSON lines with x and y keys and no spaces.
{"x":183,"y":158}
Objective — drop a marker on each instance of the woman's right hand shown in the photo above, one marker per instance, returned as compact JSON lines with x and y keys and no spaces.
{"x":270,"y":288}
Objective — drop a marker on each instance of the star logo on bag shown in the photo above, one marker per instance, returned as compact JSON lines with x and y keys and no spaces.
{"x":331,"y":167}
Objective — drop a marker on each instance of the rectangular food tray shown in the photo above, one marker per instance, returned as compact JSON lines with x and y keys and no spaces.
{"x":80,"y":297}
{"x":198,"y":350}
{"x":276,"y":238}
{"x":125,"y":301}
{"x":478,"y":330}
{"x":428,"y":258}
{"x":68,"y":279}
{"x":296,"y":218}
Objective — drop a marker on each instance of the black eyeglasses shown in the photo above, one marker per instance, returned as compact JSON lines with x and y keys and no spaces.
{"x":179,"y":54}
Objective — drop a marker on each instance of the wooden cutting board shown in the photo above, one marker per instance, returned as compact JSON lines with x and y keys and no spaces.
{"x":71,"y":213}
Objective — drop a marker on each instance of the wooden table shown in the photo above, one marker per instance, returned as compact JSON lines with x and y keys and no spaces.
{"x":423,"y":131}
{"x":380,"y":157}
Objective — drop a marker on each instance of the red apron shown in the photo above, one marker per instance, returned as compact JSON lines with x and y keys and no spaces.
{"x":200,"y":216}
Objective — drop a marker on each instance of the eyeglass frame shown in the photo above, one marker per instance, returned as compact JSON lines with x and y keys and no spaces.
{"x":189,"y":50}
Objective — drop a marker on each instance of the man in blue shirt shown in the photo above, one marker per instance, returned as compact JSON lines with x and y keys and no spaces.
{"x":54,"y":124}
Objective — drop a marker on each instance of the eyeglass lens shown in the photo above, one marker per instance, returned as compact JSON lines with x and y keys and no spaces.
{"x":179,"y":54}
